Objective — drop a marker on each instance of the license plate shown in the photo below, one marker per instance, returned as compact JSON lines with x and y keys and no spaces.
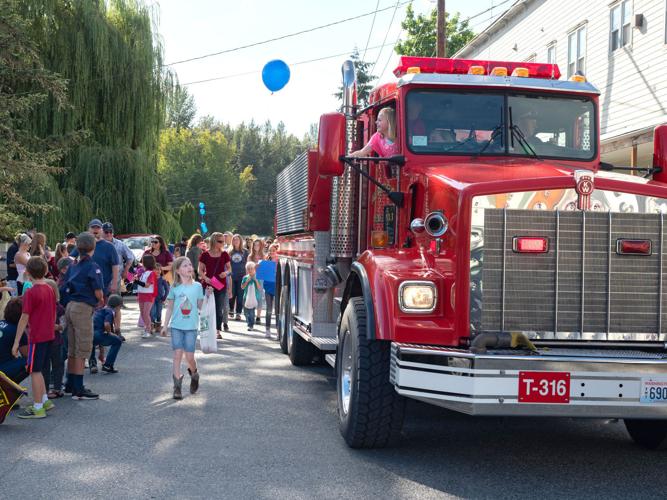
{"x":544,"y":387}
{"x":653,"y":390}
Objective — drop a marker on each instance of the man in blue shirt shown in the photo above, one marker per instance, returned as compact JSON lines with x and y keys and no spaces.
{"x":105,"y":256}
{"x":83,"y":287}
{"x":13,"y":367}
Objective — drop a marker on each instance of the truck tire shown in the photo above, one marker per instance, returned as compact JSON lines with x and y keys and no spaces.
{"x":651,"y":434}
{"x":284,"y":322}
{"x":370,"y":412}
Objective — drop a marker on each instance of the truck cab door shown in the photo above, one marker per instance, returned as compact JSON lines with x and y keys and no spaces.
{"x":382,"y":212}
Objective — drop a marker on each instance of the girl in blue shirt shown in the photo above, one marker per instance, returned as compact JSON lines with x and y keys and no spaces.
{"x":183,"y":305}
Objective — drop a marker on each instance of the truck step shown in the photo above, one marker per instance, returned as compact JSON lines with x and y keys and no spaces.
{"x":331,"y":359}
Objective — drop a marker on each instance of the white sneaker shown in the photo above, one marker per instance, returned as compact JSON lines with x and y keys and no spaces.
{"x":146,"y":335}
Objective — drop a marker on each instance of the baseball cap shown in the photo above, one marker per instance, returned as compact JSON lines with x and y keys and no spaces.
{"x":70,"y":235}
{"x":107,"y":227}
{"x":95,"y":222}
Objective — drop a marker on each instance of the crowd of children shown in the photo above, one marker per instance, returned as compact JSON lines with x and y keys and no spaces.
{"x":50,"y":331}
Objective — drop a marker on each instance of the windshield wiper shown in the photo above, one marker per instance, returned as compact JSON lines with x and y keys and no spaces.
{"x":521,"y":138}
{"x":648,"y":171}
{"x":498,"y":129}
{"x":459,"y":144}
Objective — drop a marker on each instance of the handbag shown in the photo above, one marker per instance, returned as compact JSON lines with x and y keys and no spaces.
{"x":215,"y":282}
{"x":251,"y":297}
{"x":207,"y":333}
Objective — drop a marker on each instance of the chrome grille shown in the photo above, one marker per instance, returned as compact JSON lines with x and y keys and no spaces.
{"x":581,"y":288}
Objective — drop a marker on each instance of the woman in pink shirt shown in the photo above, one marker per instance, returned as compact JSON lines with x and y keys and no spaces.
{"x":383,"y":142}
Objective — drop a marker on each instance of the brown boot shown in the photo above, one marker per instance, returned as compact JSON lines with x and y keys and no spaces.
{"x":178,"y":384}
{"x":194,"y":381}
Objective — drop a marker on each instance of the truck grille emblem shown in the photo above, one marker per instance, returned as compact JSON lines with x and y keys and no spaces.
{"x":584,"y":188}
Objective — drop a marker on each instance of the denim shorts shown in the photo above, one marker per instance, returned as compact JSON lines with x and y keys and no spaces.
{"x":185,"y":340}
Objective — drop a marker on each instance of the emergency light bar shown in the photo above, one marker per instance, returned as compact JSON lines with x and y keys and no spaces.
{"x":413,"y":64}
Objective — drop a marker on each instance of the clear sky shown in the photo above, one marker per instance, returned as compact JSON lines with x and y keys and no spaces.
{"x":191,"y":28}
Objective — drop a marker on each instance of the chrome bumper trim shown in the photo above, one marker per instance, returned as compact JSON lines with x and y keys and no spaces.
{"x":601,"y":385}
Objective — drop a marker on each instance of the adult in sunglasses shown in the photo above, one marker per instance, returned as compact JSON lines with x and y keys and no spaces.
{"x":214,"y":267}
{"x":158,"y":249}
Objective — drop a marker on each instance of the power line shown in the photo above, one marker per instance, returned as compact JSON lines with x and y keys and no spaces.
{"x":387,"y":33}
{"x":487,"y":10}
{"x":363,"y":58}
{"x":225,"y":77}
{"x":282,"y":37}
{"x":384,"y":44}
{"x":391,"y":53}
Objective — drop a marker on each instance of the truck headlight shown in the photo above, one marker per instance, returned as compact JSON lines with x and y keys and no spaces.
{"x":417,"y":296}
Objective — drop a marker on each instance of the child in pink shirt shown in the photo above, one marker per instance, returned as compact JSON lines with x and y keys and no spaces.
{"x":382,"y":142}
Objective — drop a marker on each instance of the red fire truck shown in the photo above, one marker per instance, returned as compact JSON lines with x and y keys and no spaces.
{"x":494,"y":266}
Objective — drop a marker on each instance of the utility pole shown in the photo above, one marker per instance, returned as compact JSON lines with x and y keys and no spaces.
{"x":441,"y":40}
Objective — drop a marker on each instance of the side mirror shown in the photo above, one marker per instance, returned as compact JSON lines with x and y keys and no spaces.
{"x":331,"y":145}
{"x":660,"y":153}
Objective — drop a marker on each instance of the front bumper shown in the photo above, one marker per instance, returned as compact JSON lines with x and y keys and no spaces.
{"x":603,"y":384}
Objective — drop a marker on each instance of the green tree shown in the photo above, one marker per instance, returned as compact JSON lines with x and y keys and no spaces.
{"x":364,"y":79}
{"x":198,"y":165}
{"x":262,"y":152}
{"x":188,"y":218}
{"x":27,"y":160}
{"x":109,"y":54}
{"x":181,"y":108}
{"x":421,"y":34}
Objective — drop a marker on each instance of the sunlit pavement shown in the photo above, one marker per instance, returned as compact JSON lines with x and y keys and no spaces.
{"x":260,"y":428}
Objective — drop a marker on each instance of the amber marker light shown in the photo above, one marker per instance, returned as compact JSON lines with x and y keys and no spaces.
{"x":379,"y":239}
{"x":499,"y":71}
{"x":578,"y":78}
{"x":522,"y":72}
{"x":413,"y":70}
{"x":476,"y":70}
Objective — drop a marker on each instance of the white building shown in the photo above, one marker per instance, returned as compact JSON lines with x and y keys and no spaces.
{"x":621,"y":48}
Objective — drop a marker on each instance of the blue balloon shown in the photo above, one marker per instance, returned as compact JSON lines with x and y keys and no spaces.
{"x":275,"y":75}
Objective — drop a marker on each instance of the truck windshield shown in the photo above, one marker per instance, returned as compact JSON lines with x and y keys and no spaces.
{"x":466,"y":123}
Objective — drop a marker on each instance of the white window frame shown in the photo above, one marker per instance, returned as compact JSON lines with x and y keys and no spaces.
{"x":551,"y":48}
{"x":623,"y":28}
{"x":574,"y":48}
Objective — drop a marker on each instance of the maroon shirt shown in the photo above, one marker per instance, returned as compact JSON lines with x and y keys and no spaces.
{"x":163,"y":258}
{"x":215,"y":265}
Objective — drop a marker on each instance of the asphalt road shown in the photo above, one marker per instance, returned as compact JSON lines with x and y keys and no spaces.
{"x":260,"y":428}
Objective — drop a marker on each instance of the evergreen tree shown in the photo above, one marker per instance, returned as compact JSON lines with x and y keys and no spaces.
{"x":364,"y":79}
{"x":421,"y":34}
{"x":181,"y":108}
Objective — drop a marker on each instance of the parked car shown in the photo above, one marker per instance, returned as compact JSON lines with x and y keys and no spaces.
{"x":137,"y":242}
